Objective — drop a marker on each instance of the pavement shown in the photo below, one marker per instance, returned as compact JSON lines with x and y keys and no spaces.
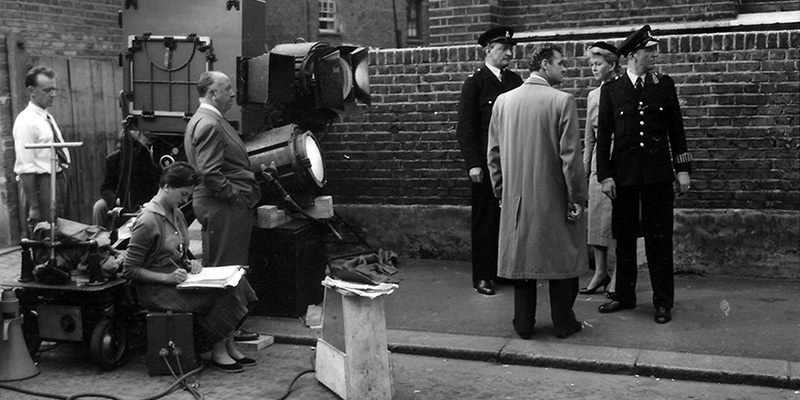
{"x":724,"y":329}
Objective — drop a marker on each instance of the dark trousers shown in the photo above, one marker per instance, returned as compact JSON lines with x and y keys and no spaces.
{"x":485,"y":230}
{"x":562,"y":297}
{"x":226,"y":231}
{"x":41,"y":190}
{"x":645,"y":208}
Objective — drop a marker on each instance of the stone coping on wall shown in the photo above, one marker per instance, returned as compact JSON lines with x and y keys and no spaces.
{"x":732,"y":242}
{"x":758,"y":21}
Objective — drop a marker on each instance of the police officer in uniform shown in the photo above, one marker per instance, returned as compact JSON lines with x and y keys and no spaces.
{"x":474,"y":112}
{"x":640,"y":112}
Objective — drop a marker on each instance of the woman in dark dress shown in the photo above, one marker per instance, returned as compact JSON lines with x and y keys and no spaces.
{"x":156,"y":262}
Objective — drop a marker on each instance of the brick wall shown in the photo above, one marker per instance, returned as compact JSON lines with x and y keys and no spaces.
{"x":739,"y":96}
{"x":461,"y":21}
{"x":561,"y":14}
{"x":65,"y":28}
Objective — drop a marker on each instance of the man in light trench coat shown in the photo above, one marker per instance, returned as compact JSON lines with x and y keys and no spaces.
{"x":536,"y":169}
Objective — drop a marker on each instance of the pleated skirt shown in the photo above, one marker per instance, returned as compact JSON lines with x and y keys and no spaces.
{"x":217,"y":312}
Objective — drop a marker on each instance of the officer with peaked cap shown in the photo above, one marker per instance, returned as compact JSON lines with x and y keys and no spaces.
{"x":474,"y":112}
{"x":640,"y":110}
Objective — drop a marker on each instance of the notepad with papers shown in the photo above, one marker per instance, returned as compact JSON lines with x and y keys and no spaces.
{"x":214,"y":277}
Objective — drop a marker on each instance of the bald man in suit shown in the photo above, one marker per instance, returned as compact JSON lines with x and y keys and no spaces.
{"x":224,"y":200}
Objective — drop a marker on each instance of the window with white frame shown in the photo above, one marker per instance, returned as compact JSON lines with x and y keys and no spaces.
{"x":327,"y":16}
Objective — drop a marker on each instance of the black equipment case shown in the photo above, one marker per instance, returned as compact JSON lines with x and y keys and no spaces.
{"x":170,"y":337}
{"x":287,"y":266}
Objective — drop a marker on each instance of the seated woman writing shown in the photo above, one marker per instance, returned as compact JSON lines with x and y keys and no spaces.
{"x":156,"y":262}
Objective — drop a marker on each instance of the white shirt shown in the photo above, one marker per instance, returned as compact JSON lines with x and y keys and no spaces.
{"x":633,"y":77}
{"x":31,"y":127}
{"x":496,"y":71}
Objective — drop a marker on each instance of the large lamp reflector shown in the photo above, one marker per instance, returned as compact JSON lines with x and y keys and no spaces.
{"x":295,"y":156}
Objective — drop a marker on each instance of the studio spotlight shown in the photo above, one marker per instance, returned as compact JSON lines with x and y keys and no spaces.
{"x":308,"y":76}
{"x":295,"y":160}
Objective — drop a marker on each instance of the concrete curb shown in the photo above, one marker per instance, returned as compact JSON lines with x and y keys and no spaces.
{"x":600,"y":359}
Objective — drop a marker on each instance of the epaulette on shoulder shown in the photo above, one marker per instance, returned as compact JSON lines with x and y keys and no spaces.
{"x":615,"y":80}
{"x":658,"y":76}
{"x":477,"y":71}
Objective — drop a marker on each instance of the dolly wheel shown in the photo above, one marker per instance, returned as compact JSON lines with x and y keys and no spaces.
{"x":107,"y":344}
{"x":30,"y":331}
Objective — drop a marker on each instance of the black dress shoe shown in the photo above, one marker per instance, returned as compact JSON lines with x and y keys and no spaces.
{"x":575,"y":329}
{"x":615,"y":305}
{"x":234,"y":368}
{"x":663,"y":315}
{"x":484,"y":287}
{"x":523,"y":334}
{"x":242,"y":335}
{"x":246,"y":362}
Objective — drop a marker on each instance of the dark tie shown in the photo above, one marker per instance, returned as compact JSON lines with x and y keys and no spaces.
{"x":639,"y":84}
{"x":62,"y":156}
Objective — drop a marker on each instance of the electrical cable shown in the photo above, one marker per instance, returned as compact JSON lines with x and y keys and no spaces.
{"x":31,"y":392}
{"x":159,"y":395}
{"x":268,"y":172}
{"x":104,"y":396}
{"x":174,"y":385}
{"x":176,"y":352}
{"x":296,"y":377}
{"x":353,"y":231}
{"x":289,"y":390}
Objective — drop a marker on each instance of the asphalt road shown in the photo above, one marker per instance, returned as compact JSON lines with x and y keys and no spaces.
{"x":65,"y":371}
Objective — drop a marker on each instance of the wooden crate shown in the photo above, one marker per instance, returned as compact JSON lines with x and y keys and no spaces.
{"x":352,"y":355}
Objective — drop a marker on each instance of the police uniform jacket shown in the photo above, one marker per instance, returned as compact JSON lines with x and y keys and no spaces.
{"x":647,"y":132}
{"x":478,"y":95}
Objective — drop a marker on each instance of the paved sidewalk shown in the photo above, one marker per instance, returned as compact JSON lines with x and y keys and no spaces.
{"x":730,"y":330}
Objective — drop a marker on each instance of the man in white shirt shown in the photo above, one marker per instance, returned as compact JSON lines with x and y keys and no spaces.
{"x":34,"y":125}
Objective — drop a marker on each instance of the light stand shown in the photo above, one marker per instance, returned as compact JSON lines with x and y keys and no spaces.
{"x":53,"y":165}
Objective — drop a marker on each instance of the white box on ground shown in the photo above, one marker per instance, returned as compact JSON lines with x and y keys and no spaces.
{"x":269,"y":216}
{"x":262,"y":342}
{"x":322,"y":208}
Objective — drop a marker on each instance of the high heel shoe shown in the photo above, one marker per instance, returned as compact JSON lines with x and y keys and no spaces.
{"x":604,"y":283}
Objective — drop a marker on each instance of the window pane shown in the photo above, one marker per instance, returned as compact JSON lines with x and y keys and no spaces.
{"x":412,"y":18}
{"x":327,"y":15}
